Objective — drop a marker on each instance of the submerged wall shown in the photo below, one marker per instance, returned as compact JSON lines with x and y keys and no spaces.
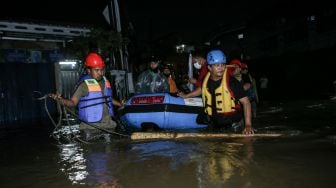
{"x":19,"y":87}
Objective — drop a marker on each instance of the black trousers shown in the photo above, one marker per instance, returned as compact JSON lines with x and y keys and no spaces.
{"x":219,"y":121}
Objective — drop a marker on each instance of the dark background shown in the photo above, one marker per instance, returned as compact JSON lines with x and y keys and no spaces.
{"x":152,"y":18}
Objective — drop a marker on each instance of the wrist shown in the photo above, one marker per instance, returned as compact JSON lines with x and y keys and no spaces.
{"x":61,"y":100}
{"x":248,"y":126}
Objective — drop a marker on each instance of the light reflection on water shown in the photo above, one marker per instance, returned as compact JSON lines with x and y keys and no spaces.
{"x":201,"y":163}
{"x":72,"y":162}
{"x":306,"y":158}
{"x":86,"y":165}
{"x":209,"y":161}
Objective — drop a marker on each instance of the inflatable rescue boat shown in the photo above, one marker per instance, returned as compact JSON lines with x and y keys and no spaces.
{"x":161,"y":111}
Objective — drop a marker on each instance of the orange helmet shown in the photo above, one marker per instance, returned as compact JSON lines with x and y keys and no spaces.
{"x":94,"y":60}
{"x":235,"y":62}
{"x":244,"y":66}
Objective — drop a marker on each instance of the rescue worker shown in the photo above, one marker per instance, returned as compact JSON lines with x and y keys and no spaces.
{"x":235,"y":69}
{"x":240,"y":72}
{"x":250,"y":87}
{"x":223,"y":96}
{"x":94,"y":98}
{"x":201,"y":65}
{"x":152,"y":80}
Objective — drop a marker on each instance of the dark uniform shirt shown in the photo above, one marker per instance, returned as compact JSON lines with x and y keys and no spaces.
{"x":238,"y":91}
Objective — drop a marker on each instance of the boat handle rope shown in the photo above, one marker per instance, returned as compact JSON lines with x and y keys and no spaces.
{"x":65,"y":111}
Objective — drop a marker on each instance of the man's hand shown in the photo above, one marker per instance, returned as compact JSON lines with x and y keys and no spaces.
{"x":181,"y":94}
{"x":56,"y":97}
{"x":192,"y":80}
{"x":248,"y":130}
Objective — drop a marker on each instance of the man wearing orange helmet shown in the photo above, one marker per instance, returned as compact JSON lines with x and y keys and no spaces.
{"x":93,"y":97}
{"x":235,"y":69}
{"x":239,"y":70}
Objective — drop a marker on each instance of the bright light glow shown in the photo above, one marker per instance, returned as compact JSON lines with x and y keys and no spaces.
{"x":240,"y":36}
{"x":311,"y":18}
{"x":68,"y":63}
{"x":184,"y":48}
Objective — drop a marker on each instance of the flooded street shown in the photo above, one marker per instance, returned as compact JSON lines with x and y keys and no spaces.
{"x":303,"y":157}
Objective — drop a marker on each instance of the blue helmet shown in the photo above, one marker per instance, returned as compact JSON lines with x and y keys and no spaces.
{"x":216,"y":57}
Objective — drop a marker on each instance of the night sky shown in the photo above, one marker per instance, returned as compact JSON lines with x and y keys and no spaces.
{"x":154,"y":18}
{"x":194,"y":19}
{"x":55,"y":11}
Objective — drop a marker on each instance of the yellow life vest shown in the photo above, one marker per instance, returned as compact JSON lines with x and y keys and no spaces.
{"x":225,"y":101}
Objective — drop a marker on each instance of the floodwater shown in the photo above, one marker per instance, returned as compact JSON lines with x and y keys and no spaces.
{"x":303,"y":157}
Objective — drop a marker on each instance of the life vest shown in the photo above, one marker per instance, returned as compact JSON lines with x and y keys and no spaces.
{"x":225,"y":101}
{"x":91,"y":106}
{"x":172,"y":85}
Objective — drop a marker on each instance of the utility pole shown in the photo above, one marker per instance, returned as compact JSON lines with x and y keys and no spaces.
{"x":120,"y":73}
{"x":112,"y":16}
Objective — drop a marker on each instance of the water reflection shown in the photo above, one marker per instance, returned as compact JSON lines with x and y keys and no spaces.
{"x":86,"y":165}
{"x":213,"y":163}
{"x":226,"y":160}
{"x":191,"y":163}
{"x":73,"y":163}
{"x":177,"y":153}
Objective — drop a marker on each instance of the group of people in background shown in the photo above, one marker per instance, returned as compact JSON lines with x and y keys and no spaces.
{"x":156,"y":79}
{"x":227,"y":89}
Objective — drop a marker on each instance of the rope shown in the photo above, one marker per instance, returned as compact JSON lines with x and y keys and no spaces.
{"x":95,"y":126}
{"x":65,"y":110}
{"x":68,"y":123}
{"x":56,"y":126}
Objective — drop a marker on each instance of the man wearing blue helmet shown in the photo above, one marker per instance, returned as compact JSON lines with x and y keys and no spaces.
{"x":223,"y":96}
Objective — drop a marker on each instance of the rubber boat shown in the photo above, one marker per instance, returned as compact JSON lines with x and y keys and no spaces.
{"x":161,"y":111}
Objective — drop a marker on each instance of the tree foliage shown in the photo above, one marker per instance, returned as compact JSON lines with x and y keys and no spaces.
{"x":100,"y":40}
